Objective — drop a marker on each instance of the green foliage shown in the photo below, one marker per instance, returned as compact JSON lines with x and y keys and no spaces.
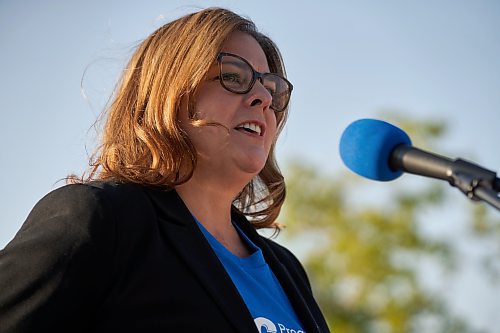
{"x":363,"y":259}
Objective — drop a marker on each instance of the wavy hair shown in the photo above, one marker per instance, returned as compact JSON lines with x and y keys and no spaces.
{"x":142,"y":142}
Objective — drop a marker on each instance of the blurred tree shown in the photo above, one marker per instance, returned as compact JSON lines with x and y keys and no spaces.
{"x":362,"y":260}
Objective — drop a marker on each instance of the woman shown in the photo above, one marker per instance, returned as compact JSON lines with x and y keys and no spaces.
{"x":156,"y":238}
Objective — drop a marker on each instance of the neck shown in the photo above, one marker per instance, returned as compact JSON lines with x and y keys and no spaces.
{"x":211,"y":204}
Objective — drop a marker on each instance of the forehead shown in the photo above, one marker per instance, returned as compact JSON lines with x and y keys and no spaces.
{"x":247,"y":47}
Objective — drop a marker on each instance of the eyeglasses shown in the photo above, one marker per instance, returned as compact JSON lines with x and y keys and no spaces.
{"x":238,"y":76}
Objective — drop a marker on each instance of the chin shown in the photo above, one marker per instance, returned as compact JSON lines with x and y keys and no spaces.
{"x":252,"y":166}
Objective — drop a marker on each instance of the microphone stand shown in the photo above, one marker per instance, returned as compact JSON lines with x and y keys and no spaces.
{"x":476,"y":182}
{"x":488,"y":196}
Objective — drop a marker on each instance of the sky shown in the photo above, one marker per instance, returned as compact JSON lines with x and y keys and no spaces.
{"x":346,"y":59}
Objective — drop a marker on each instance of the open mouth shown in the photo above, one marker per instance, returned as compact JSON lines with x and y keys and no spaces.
{"x":252,"y":128}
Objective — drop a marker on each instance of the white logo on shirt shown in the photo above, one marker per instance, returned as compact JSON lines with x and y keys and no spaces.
{"x":264,"y":325}
{"x":262,"y":322}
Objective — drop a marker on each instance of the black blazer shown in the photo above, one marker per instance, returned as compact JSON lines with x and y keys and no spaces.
{"x":125,"y":258}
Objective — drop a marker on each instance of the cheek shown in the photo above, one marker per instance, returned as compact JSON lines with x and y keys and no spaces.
{"x":271,"y":128}
{"x":216,"y":109}
{"x":206,"y":138}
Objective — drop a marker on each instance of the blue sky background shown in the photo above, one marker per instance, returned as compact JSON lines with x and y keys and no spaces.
{"x":346,"y":59}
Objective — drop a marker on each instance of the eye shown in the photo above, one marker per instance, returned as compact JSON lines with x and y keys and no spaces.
{"x":231,"y":77}
{"x":271,"y":90}
{"x":269,"y":82}
{"x":271,"y":87}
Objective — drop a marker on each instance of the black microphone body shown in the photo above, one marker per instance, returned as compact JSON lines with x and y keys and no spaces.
{"x":419,"y":162}
{"x":413,"y":160}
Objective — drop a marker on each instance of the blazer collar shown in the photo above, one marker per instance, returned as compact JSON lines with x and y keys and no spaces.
{"x":179,"y":227}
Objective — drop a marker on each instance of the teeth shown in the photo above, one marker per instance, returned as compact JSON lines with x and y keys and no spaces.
{"x":254,"y":127}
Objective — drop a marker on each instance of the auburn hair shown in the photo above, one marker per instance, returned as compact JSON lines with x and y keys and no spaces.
{"x":142,"y":141}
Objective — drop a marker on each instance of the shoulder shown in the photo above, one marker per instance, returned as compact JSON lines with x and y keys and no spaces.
{"x":67,"y":218}
{"x":80,"y":196}
{"x":67,"y":211}
{"x":92,"y":199}
{"x":77,"y":214}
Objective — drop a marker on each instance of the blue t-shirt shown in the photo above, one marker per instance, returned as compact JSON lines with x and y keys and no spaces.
{"x":258,"y":286}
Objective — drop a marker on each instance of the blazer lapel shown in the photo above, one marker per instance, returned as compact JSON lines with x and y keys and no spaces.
{"x":181,"y":230}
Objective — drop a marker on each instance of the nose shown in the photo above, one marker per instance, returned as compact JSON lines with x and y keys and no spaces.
{"x":259,"y":95}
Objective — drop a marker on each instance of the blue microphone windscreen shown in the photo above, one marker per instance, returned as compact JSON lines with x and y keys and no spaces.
{"x":366,"y":146}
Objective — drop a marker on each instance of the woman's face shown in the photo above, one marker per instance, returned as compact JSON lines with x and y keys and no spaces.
{"x":240,"y":150}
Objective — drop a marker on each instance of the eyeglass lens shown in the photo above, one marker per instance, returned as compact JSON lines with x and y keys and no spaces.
{"x":236,"y":75}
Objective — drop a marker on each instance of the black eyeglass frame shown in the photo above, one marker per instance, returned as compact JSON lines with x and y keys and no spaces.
{"x":255,"y":76}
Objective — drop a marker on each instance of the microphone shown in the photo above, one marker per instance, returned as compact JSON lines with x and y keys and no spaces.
{"x":380,"y":151}
{"x":366,"y":147}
